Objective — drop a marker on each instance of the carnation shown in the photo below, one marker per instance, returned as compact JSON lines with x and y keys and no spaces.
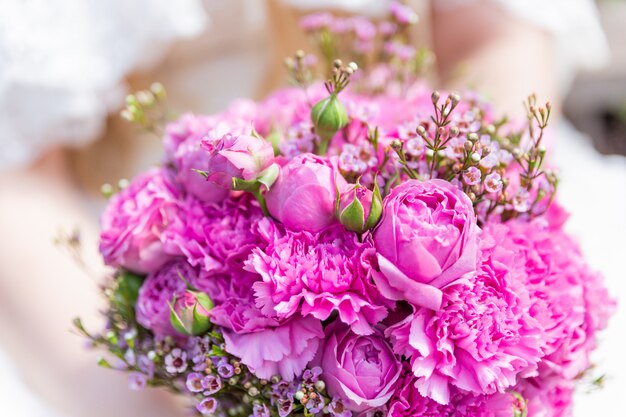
{"x":214,"y":236}
{"x":483,"y":337}
{"x":409,"y":402}
{"x":317,"y":274}
{"x":135,"y":221}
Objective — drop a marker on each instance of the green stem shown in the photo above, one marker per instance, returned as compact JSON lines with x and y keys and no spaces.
{"x":261,"y":199}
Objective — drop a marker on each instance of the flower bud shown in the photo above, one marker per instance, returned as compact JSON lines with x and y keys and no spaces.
{"x":189,"y":314}
{"x":359,"y":208}
{"x":126,"y":293}
{"x":329,"y":116}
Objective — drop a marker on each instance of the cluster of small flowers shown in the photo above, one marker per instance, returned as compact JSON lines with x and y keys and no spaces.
{"x":367,"y":255}
{"x":380,"y":47}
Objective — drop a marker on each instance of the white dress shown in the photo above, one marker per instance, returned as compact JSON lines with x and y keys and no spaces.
{"x":63,"y":63}
{"x":62,"y":69}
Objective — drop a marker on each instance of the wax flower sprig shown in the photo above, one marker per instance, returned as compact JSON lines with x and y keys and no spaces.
{"x":147,"y":108}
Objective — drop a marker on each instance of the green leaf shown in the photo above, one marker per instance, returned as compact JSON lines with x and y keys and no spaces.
{"x":204,"y":174}
{"x":268,"y":176}
{"x":376,"y":209}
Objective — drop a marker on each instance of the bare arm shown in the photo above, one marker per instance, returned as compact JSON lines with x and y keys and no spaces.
{"x":482,"y":46}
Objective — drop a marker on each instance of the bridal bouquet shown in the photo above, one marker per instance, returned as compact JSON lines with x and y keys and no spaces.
{"x":359,"y":247}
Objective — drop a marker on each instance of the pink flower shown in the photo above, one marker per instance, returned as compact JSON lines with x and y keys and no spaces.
{"x":157,"y":291}
{"x":134,"y":221}
{"x":425,"y":240}
{"x":361,"y":370}
{"x":483,"y":337}
{"x":283,"y":350}
{"x":408,"y":402}
{"x":303,"y":197}
{"x":570,"y":301}
{"x":317,"y":274}
{"x":216,"y":236}
{"x":548,"y":397}
{"x":236,"y":156}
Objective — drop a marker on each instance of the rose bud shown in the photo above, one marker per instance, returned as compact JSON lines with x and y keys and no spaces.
{"x":189,"y":314}
{"x":305,"y":193}
{"x":243,"y":157}
{"x":328,"y":116}
{"x":359,"y":208}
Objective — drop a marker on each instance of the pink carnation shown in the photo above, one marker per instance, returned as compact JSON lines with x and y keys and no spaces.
{"x":157,"y":291}
{"x":548,"y":397}
{"x":283,"y":350}
{"x":216,"y":236}
{"x":317,"y":274}
{"x":408,"y":402}
{"x":569,"y":300}
{"x":483,"y":337}
{"x":134,"y":221}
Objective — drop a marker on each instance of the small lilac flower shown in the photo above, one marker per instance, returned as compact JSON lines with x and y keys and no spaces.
{"x":471,"y":176}
{"x":211,"y":384}
{"x":194,"y":382}
{"x":225,"y":369}
{"x":489,"y":161}
{"x":387,"y":28}
{"x":285,"y":406}
{"x":207,"y":406}
{"x":337,"y":409}
{"x":137,"y":381}
{"x":316,"y":21}
{"x":310,"y":376}
{"x":260,"y":410}
{"x":521,"y":201}
{"x":493,"y":183}
{"x":130,"y":357}
{"x":315,"y":404}
{"x":455,"y":148}
{"x":146,"y":365}
{"x":402,"y":13}
{"x":415,"y":147}
{"x":176,"y":361}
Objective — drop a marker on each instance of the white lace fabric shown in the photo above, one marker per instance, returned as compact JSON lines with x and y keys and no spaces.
{"x":63,"y":63}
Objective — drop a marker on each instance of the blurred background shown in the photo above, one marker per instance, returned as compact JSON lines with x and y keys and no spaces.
{"x":66,"y":66}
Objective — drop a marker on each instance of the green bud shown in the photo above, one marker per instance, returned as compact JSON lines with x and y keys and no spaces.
{"x":189,"y":314}
{"x":328,"y":116}
{"x":360,"y":209}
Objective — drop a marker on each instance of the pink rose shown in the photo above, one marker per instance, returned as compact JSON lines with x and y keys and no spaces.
{"x":134,"y":221}
{"x":303,"y":197}
{"x":360,"y":370}
{"x":242,"y":156}
{"x":425,"y":240}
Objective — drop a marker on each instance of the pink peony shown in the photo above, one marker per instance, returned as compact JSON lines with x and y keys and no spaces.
{"x":283,"y":350}
{"x":236,"y":156}
{"x":317,"y":274}
{"x":408,"y":402}
{"x":425,"y":240}
{"x":157,"y":291}
{"x":134,"y":221}
{"x":217,"y":236}
{"x":360,"y":370}
{"x":482,"y":339}
{"x":303,"y":197}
